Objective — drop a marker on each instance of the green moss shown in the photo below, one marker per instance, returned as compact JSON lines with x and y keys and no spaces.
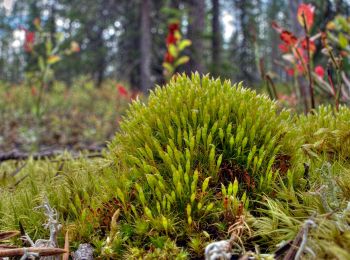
{"x":326,"y":133}
{"x":326,"y":203}
{"x":190,"y":155}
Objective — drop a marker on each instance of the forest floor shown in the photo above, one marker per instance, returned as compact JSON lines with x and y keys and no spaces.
{"x":79,"y":118}
{"x":123,"y":201}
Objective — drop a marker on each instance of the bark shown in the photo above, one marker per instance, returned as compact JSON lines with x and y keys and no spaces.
{"x":195,"y":30}
{"x":145,"y":46}
{"x":98,"y":44}
{"x":216,"y":37}
{"x":249,"y":36}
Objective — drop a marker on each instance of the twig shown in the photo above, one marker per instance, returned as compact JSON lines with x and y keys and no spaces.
{"x":42,"y":251}
{"x":20,"y":180}
{"x":330,"y":80}
{"x":60,"y":168}
{"x":16,"y":155}
{"x":66,"y":247}
{"x":15,"y":172}
{"x":282,"y":249}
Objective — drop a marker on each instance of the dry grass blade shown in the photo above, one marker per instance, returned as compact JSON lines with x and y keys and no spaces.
{"x":42,"y":251}
{"x":8,"y":234}
{"x":66,"y":247}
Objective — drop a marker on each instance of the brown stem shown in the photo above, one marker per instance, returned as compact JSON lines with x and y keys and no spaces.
{"x":330,"y":80}
{"x":264,"y":77}
{"x":311,"y":87}
{"x":301,"y":87}
{"x":273,"y":87}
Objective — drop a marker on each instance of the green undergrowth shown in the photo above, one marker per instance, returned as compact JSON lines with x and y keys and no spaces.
{"x":73,"y":117}
{"x":199,"y":155}
{"x":326,"y":132}
{"x":326,"y":203}
{"x":80,"y":190}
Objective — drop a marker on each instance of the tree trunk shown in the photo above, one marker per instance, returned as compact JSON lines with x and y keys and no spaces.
{"x":249,"y":35}
{"x":196,"y":28}
{"x":216,"y":38}
{"x":293,"y":10}
{"x":52,"y":24}
{"x":97,"y":45}
{"x":145,"y":46}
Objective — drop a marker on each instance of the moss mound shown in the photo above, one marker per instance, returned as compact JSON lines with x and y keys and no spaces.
{"x":189,"y":157}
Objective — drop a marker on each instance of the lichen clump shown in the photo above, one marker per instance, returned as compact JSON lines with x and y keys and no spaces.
{"x":189,"y":157}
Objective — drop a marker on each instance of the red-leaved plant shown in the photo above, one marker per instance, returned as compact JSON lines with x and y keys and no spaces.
{"x":175,"y":46}
{"x":45,"y":59}
{"x":299,"y":53}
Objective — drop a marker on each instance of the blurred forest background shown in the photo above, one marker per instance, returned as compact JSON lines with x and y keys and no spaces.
{"x":69,"y":68}
{"x":125,"y":40}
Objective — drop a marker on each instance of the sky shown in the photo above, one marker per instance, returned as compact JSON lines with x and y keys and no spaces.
{"x":228,"y":27}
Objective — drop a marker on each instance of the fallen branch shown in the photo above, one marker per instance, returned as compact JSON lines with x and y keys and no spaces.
{"x":17,"y":155}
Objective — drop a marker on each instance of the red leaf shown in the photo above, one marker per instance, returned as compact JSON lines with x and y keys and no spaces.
{"x":283,"y":48}
{"x":288,"y":38}
{"x":122,"y":91}
{"x":300,"y":68}
{"x":169,"y":58}
{"x":311,"y":44}
{"x":308,"y":11}
{"x":319,"y":70}
{"x":29,"y":41}
{"x":173,"y":27}
{"x":171,"y":39}
{"x":290,"y":71}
